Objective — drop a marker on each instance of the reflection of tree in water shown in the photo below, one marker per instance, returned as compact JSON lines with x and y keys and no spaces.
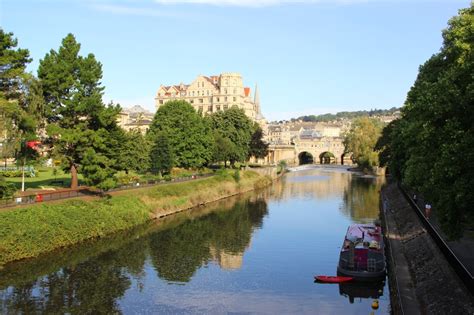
{"x":361,"y":199}
{"x":179,"y":252}
{"x":90,"y":287}
{"x":98,"y":275}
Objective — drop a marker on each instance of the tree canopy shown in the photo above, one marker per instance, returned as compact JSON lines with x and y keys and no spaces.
{"x":79,"y":123}
{"x":361,"y":140}
{"x":188,"y":135}
{"x":431,"y":148}
{"x":237,"y":128}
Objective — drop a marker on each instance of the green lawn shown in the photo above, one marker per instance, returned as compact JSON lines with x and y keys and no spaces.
{"x":44,"y":178}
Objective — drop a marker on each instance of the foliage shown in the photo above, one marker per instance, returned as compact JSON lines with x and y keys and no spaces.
{"x":79,"y":124}
{"x":258,"y":148}
{"x":347,"y":115}
{"x":162,"y":158}
{"x":361,"y":140}
{"x":32,"y":230}
{"x":282,"y":166}
{"x":234,"y":125}
{"x":6,"y":189}
{"x":17,"y":118}
{"x":189,"y":137}
{"x":132,"y":152}
{"x":432,"y":146}
{"x":225,"y":149}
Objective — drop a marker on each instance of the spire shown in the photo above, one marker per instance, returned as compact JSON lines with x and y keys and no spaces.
{"x":256,"y":99}
{"x":256,"y":102}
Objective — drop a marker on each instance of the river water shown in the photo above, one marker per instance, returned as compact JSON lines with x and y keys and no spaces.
{"x":252,"y":254}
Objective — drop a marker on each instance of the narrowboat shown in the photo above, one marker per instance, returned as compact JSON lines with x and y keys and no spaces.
{"x":362,"y":253}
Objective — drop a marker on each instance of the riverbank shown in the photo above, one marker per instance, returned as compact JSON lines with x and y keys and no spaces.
{"x":30,"y":231}
{"x":421,"y":279}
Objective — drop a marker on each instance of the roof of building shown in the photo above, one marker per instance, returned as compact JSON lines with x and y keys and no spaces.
{"x":247,"y":91}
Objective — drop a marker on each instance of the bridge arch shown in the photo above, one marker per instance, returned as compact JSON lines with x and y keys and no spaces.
{"x":305,"y":158}
{"x":327,"y":157}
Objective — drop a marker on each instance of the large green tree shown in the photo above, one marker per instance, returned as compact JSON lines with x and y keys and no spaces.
{"x":234,"y":125}
{"x":434,"y":140}
{"x":257,"y":148}
{"x":79,"y":123}
{"x":18,"y":108}
{"x":132,"y":151}
{"x":188,"y":135}
{"x":162,"y":158}
{"x":361,"y":140}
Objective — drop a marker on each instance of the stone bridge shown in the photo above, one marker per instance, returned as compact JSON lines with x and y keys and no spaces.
{"x":327,"y":150}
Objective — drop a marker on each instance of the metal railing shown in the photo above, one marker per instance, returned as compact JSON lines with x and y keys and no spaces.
{"x":87,"y":191}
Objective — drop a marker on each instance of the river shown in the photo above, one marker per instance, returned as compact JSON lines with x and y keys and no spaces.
{"x":252,"y":254}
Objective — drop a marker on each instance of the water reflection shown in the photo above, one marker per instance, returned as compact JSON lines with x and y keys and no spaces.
{"x":178,"y":248}
{"x":255,"y":253}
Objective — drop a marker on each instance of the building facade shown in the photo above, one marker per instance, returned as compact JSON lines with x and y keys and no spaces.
{"x":135,"y":118}
{"x":212,"y":94}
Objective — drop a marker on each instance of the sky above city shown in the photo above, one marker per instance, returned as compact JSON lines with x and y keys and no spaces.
{"x":307,"y":56}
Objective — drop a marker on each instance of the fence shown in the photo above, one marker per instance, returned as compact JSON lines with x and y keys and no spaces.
{"x":42,"y":196}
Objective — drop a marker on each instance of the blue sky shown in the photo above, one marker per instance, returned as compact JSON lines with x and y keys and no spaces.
{"x":307,"y":56}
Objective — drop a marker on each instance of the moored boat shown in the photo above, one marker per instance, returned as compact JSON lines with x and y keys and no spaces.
{"x":362,"y":254}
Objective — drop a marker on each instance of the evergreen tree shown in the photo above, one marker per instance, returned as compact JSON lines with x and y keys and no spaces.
{"x":79,"y":123}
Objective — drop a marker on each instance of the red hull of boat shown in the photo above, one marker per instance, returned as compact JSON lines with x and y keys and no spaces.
{"x":332,"y":279}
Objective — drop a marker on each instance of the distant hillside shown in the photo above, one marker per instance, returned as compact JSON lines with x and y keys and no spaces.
{"x":347,"y":115}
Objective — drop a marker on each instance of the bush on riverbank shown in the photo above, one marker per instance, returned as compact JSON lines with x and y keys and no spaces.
{"x":40,"y":228}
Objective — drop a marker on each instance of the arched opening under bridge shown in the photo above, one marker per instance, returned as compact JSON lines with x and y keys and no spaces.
{"x":305,"y":158}
{"x":327,"y":158}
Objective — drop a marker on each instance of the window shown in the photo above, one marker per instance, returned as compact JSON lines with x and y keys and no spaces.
{"x":235,"y":98}
{"x":226,"y":107}
{"x":161,"y":101}
{"x":218,"y":107}
{"x":200,"y":108}
{"x":209,"y":108}
{"x":235,"y":91}
{"x":218,"y":100}
{"x":193,"y":93}
{"x":201,"y":100}
{"x":207,"y":92}
{"x":191,"y":101}
{"x":225,"y":98}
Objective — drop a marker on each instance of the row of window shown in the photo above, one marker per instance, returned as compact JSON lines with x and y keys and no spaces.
{"x":210,"y":109}
{"x":201,"y":100}
{"x":195,"y":93}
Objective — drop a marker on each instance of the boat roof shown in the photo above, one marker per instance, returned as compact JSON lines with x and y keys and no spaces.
{"x":363,"y":232}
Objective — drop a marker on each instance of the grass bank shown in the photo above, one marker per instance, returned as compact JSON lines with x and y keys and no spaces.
{"x":30,"y":231}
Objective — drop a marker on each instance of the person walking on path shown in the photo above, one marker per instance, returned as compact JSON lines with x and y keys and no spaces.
{"x":427,"y":210}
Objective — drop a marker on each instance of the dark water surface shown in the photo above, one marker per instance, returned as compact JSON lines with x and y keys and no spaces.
{"x":256,"y":253}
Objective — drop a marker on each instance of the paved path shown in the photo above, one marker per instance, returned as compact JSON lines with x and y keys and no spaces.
{"x":427,"y":284}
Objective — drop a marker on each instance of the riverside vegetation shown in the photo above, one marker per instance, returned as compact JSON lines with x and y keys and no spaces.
{"x":40,"y":228}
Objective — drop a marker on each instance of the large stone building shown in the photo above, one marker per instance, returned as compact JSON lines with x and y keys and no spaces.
{"x":135,"y":118}
{"x":214,"y":93}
